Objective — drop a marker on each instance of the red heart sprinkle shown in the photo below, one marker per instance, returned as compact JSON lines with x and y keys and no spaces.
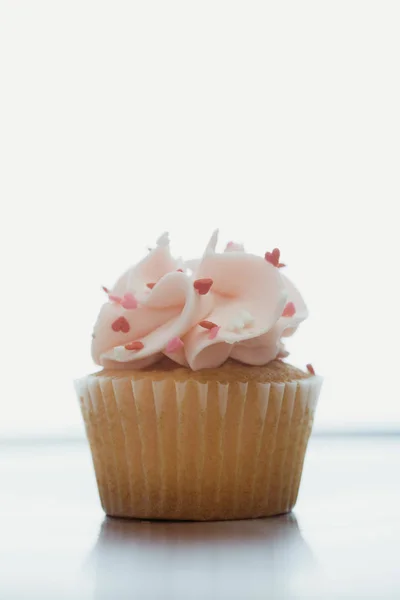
{"x":273,"y":257}
{"x":121,"y":324}
{"x":289,"y":310}
{"x":203,"y":286}
{"x":207,"y":324}
{"x":134,"y":346}
{"x":150,"y":285}
{"x":310,"y":369}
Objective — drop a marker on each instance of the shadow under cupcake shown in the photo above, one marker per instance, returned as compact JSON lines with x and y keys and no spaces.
{"x":241,"y":559}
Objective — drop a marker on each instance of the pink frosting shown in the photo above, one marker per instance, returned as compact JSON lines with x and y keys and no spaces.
{"x":197,"y":313}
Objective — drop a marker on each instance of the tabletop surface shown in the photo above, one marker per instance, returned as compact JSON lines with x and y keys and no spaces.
{"x":341,"y":541}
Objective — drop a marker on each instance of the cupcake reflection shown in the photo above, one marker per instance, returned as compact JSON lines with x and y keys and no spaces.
{"x":191,"y":560}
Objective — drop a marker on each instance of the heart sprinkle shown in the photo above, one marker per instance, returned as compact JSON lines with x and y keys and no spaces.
{"x":213,"y":332}
{"x":134,"y":346}
{"x":203,"y":286}
{"x":289,"y":310}
{"x":273,"y":258}
{"x":174,"y":345}
{"x":179,"y":270}
{"x":129,"y":301}
{"x":111,"y":296}
{"x":310,"y":369}
{"x":150,"y":285}
{"x":207,"y":324}
{"x":121,"y":324}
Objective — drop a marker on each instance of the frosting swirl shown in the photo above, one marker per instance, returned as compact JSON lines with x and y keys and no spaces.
{"x":198,"y":313}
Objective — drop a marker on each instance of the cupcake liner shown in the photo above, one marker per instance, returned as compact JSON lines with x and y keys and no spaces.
{"x":187,"y":450}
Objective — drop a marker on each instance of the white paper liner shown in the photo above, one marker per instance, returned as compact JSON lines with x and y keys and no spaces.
{"x":197,"y":451}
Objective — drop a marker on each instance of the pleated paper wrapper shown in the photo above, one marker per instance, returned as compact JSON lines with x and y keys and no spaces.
{"x":197,"y":451}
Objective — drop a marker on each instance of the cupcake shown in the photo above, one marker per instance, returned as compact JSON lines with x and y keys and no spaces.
{"x":194,"y":415}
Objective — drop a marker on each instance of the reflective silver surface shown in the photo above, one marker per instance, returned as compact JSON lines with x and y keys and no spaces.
{"x":342,"y":541}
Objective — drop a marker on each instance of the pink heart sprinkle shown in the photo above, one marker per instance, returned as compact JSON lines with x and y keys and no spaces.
{"x":289,"y":310}
{"x":129,"y":301}
{"x":174,"y":345}
{"x":214,"y":332}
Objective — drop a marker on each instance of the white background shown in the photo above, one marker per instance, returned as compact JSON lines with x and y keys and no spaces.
{"x":278,"y":122}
